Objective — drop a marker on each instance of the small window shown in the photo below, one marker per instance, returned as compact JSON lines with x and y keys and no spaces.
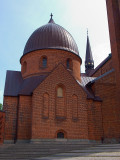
{"x":69,"y":64}
{"x":59,"y":92}
{"x":44,"y":62}
{"x":60,"y":135}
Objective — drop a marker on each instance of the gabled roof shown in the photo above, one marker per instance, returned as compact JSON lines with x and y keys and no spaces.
{"x":30,"y":84}
{"x":15,"y":85}
{"x":100,"y":65}
{"x":87,"y":89}
{"x":85,"y":80}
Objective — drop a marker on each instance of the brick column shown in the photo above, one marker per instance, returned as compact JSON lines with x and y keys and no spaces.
{"x":114,"y":29}
{"x":113,"y":11}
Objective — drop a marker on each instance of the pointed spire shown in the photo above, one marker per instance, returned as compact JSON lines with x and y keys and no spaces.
{"x":87,"y":32}
{"x":51,"y":19}
{"x":89,"y":63}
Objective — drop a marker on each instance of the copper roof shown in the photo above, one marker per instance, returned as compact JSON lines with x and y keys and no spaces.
{"x":15,"y":85}
{"x":51,"y":36}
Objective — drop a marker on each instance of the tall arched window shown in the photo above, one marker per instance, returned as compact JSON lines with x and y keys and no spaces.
{"x":60,"y":101}
{"x":74,"y":107}
{"x":24,"y":67}
{"x":69,"y":64}
{"x":59,"y":92}
{"x":45,"y":105}
{"x":43,"y":62}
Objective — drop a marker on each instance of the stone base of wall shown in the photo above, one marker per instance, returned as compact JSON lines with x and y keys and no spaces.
{"x":9,"y":141}
{"x":112,"y":141}
{"x":64,"y":141}
{"x":58,"y":141}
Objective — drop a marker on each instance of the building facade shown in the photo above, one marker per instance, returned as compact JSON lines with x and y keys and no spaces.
{"x":51,"y":99}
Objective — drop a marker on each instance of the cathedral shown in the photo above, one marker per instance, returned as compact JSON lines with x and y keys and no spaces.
{"x":50,"y":99}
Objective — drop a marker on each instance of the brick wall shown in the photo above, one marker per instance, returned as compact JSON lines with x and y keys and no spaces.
{"x":10,"y":107}
{"x":24,"y":118}
{"x":106,"y":89}
{"x":74,"y":119}
{"x":113,"y":12}
{"x":47,"y":128}
{"x":105,"y":68}
{"x":54,"y":57}
{"x":95,"y":128}
{"x":2,"y":125}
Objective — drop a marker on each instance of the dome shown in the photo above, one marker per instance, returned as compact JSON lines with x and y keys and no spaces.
{"x":51,"y":36}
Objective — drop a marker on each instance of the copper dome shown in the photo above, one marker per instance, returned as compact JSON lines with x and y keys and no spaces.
{"x":51,"y":36}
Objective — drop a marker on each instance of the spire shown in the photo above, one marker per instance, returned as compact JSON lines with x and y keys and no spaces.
{"x":51,"y":19}
{"x":89,"y":63}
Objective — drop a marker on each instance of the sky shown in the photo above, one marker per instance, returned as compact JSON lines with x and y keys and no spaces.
{"x":19,"y":19}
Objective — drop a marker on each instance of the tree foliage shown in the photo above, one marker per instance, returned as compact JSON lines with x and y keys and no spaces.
{"x":1,"y":106}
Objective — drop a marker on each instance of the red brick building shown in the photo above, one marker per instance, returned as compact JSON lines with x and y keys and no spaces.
{"x":50,"y":98}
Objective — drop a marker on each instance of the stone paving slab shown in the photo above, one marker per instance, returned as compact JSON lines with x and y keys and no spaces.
{"x":80,"y":158}
{"x":93,"y":151}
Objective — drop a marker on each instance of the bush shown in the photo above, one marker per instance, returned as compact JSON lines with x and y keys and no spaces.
{"x":1,"y":106}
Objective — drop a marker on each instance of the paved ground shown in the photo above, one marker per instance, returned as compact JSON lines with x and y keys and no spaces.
{"x":60,"y":152}
{"x":100,"y":152}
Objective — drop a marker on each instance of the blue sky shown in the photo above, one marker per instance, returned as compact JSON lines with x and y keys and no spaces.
{"x":20,"y":18}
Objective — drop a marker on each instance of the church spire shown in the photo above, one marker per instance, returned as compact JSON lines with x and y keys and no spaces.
{"x":51,"y":19}
{"x":89,"y":63}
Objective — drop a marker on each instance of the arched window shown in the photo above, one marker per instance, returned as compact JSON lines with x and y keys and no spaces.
{"x":60,"y":101}
{"x":59,"y":92}
{"x":43,"y":62}
{"x":45,"y":105}
{"x":24,"y":67}
{"x":75,"y":107}
{"x":60,"y":135}
{"x":69,"y":64}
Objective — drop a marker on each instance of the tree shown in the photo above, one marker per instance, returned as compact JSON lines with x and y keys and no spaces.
{"x":1,"y":106}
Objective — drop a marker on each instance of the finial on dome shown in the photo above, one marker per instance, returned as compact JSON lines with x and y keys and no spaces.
{"x":51,"y":20}
{"x":51,"y":15}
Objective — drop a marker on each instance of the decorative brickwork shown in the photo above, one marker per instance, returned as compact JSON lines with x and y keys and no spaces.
{"x":47,"y":128}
